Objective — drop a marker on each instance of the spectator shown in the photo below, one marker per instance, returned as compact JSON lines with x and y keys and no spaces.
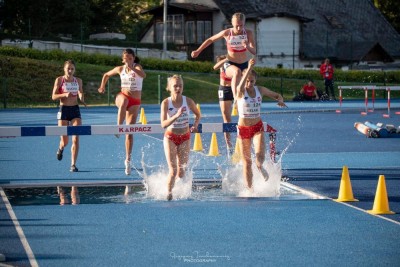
{"x":326,"y":70}
{"x":308,"y":91}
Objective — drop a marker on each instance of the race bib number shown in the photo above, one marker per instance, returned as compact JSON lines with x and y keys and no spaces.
{"x":72,"y":87}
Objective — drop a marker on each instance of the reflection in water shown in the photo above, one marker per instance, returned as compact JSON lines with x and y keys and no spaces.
{"x":74,"y":193}
{"x":116,"y":194}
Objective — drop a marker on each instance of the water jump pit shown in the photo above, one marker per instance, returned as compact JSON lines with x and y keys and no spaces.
{"x":153,"y":189}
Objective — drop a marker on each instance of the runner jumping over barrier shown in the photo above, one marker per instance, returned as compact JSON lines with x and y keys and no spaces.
{"x":250,"y":126}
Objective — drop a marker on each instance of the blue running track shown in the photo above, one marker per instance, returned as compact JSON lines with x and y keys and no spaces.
{"x":302,"y":226}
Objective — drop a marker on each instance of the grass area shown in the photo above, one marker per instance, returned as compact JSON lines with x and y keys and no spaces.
{"x":29,"y":83}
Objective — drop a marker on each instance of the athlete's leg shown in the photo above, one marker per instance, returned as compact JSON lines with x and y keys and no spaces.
{"x":236,"y":74}
{"x":75,"y":142}
{"x":259,"y":149}
{"x":226,"y":111}
{"x":63,"y":140}
{"x":121,"y":102}
{"x":183,"y":158}
{"x":131,"y":117}
{"x":245,"y":148}
{"x":170,"y":150}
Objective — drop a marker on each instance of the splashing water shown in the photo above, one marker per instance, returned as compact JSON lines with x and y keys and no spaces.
{"x":155,"y":177}
{"x":156,"y":186}
{"x":155,"y":180}
{"x":292,"y":141}
{"x":233,"y":181}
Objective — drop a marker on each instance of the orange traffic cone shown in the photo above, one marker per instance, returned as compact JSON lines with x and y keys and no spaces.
{"x":213,"y":146}
{"x":236,"y":157}
{"x":345,"y":191}
{"x":381,"y":202}
{"x":198,"y":145}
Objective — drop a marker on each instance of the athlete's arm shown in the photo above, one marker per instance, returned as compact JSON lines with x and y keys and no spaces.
{"x":196,"y":112}
{"x":56,"y":95}
{"x":106,"y":76}
{"x":138,"y":69}
{"x":80,"y":92}
{"x":271,"y":94}
{"x":250,"y":45}
{"x":207,"y":42}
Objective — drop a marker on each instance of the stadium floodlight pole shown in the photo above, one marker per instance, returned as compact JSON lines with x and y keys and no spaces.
{"x":164,"y":53}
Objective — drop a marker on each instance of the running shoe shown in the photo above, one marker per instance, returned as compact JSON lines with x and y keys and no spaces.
{"x":73,"y":168}
{"x":127,"y":167}
{"x":169,"y":196}
{"x":60,"y":154}
{"x":231,"y":152}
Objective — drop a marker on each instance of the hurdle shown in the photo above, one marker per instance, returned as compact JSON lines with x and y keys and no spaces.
{"x":388,"y":89}
{"x":366,"y":88}
{"x":40,"y":131}
{"x":352,"y":87}
{"x":25,"y":131}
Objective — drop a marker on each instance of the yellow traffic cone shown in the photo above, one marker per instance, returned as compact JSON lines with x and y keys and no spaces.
{"x":198,"y":145}
{"x":198,"y":107}
{"x":234,"y":110}
{"x":381,"y":202}
{"x":141,"y":115}
{"x":213,"y":146}
{"x":236,"y":157}
{"x":345,"y":190}
{"x":144,"y":120}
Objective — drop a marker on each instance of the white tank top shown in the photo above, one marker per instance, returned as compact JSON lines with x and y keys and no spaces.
{"x":249,"y":107}
{"x":131,"y":80}
{"x":234,"y":43}
{"x":183,"y":120}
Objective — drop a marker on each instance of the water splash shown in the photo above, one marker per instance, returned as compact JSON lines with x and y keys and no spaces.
{"x":233,"y":181}
{"x":292,"y":140}
{"x":155,"y":180}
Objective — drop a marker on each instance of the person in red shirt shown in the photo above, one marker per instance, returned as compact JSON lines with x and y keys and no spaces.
{"x":309,"y":91}
{"x":326,"y":70}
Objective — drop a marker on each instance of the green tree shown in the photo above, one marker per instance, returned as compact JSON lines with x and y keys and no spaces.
{"x":44,"y":18}
{"x":49,"y":18}
{"x":391,"y":10}
{"x":133,"y":19}
{"x":106,"y":16}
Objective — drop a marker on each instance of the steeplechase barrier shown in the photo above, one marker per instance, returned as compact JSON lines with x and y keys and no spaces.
{"x":31,"y":131}
{"x":22,"y":131}
{"x":372,"y":88}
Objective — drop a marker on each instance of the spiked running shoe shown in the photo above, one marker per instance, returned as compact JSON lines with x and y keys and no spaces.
{"x":73,"y":168}
{"x":60,"y":154}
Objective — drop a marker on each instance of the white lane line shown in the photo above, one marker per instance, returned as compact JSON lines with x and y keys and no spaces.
{"x":318,"y":196}
{"x":19,"y":230}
